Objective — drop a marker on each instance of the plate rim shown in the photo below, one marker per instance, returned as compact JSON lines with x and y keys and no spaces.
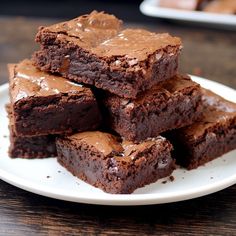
{"x":124,"y":199}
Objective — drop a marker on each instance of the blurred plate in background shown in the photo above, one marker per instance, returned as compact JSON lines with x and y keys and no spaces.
{"x":152,"y":8}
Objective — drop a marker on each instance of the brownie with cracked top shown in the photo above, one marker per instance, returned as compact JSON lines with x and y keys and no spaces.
{"x":44,"y":104}
{"x":115,"y":166}
{"x":208,"y":138}
{"x":172,"y":104}
{"x":96,"y":50}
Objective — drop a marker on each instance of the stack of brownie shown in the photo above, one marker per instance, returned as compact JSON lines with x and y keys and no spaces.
{"x":98,"y":96}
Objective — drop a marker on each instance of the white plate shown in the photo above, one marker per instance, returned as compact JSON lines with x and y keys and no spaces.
{"x":46,"y":177}
{"x":152,"y":8}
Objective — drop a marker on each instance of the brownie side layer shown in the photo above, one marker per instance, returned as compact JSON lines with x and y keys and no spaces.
{"x":171,"y":105}
{"x":30,"y":147}
{"x":45,"y":104}
{"x":55,"y":115}
{"x":85,"y":68}
{"x":212,"y":145}
{"x":116,"y":172}
{"x":125,"y":74}
{"x":208,"y":138}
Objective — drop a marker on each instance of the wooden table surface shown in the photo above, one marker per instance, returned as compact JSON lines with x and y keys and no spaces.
{"x":207,"y":52}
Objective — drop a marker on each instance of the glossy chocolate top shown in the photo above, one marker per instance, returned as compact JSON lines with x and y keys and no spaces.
{"x":160,"y":92}
{"x":135,"y":44}
{"x":89,"y":30}
{"x":101,"y":34}
{"x":27,"y":81}
{"x":105,"y":143}
{"x":217,"y":111}
{"x":112,"y":146}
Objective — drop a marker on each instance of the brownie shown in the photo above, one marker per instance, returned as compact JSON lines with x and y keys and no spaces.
{"x":190,"y":5}
{"x":210,"y":137}
{"x":30,"y":147}
{"x":96,"y":50}
{"x":171,"y":104}
{"x":44,"y":104}
{"x":115,"y":166}
{"x":221,"y":6}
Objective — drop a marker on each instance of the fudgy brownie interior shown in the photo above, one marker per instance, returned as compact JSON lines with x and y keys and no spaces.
{"x":105,"y":161}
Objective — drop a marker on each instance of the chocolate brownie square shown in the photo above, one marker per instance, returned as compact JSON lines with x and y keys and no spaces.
{"x":115,"y":166}
{"x":95,"y":50}
{"x":44,"y":104}
{"x":30,"y":147}
{"x":190,"y":5}
{"x":208,"y":138}
{"x":170,"y":105}
{"x":221,"y":6}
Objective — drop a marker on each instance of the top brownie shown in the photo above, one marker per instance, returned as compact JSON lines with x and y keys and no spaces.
{"x":94,"y":49}
{"x":48,"y":104}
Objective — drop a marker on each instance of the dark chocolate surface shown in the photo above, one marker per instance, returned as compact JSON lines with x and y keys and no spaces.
{"x":162,"y":91}
{"x":101,"y":34}
{"x":123,"y":62}
{"x":103,"y":142}
{"x":171,"y":104}
{"x":217,"y":110}
{"x":110,"y":145}
{"x":45,"y":104}
{"x":213,"y":135}
{"x":29,"y":147}
{"x":27,"y":81}
{"x":113,"y":165}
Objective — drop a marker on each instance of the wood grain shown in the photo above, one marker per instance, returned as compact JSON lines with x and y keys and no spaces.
{"x":30,"y":214}
{"x":207,"y":52}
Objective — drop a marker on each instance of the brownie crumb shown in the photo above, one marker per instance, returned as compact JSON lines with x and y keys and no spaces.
{"x":48,"y":177}
{"x":197,"y":71}
{"x":164,"y":182}
{"x":172,"y":178}
{"x":212,"y":178}
{"x":58,"y":171}
{"x":4,"y":136}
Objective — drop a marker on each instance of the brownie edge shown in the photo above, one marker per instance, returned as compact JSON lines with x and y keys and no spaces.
{"x":94,"y":49}
{"x":113,"y":165}
{"x":30,"y":147}
{"x":172,"y":104}
{"x":211,"y":136}
{"x":44,"y":104}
